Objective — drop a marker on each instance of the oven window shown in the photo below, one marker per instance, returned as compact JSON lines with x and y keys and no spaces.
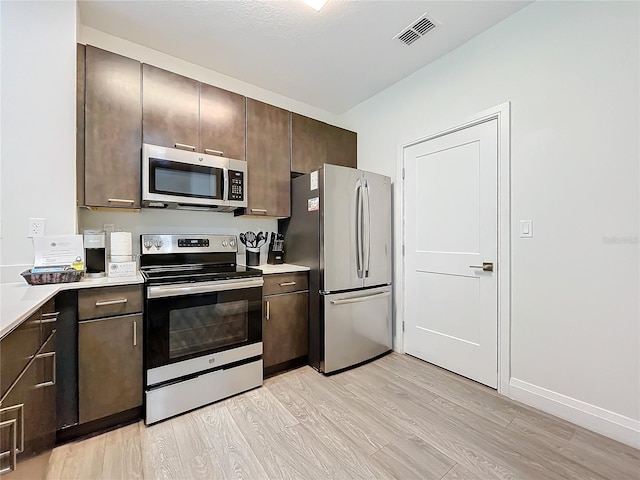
{"x":183,"y":179}
{"x":206,"y":327}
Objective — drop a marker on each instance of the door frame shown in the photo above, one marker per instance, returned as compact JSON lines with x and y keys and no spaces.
{"x":501,"y":113}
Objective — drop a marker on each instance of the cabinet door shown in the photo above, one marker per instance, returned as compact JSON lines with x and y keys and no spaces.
{"x":112,"y":130}
{"x":285,"y":328}
{"x":43,"y":420}
{"x":109,"y":366}
{"x":222,"y":122}
{"x":28,"y":411}
{"x":170,"y":109}
{"x":342,"y":147}
{"x":17,"y":349}
{"x":49,"y":317}
{"x":308,"y":143}
{"x":16,"y":417}
{"x":268,"y":160}
{"x":80,"y":92}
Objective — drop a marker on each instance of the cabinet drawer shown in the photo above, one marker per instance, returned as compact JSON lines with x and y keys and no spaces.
{"x":109,"y":301}
{"x":285,"y":282}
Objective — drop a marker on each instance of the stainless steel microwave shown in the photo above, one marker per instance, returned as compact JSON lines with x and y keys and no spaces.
{"x":180,"y":179}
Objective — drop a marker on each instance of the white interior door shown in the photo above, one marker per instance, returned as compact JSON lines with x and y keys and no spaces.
{"x":451,"y":191}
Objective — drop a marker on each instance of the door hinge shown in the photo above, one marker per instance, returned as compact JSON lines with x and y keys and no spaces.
{"x":403,"y":173}
{"x":402,"y":250}
{"x":403,"y":325}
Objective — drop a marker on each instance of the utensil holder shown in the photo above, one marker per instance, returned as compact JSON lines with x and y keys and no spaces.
{"x":253,"y":256}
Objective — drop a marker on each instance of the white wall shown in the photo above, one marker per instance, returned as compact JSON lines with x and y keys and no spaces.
{"x":150,"y":221}
{"x":571,"y":72}
{"x":38,"y":125}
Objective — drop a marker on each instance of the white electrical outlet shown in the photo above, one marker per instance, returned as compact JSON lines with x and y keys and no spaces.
{"x":36,"y":227}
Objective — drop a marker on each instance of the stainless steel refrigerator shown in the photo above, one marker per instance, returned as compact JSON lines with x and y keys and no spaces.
{"x":340,"y":227}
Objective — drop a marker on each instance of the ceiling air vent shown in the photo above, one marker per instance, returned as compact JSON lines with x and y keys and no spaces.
{"x":416,"y":30}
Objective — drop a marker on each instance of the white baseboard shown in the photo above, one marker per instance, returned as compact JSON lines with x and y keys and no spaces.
{"x":609,"y":424}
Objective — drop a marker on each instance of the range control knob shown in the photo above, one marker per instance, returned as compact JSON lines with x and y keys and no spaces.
{"x":232,"y":243}
{"x":148,"y":244}
{"x":158,"y":243}
{"x":224,"y":243}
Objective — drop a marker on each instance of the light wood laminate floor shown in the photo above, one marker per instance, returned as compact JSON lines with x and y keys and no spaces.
{"x":397,"y":417}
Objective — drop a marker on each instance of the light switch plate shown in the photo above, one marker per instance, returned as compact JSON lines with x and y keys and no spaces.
{"x":526,"y":228}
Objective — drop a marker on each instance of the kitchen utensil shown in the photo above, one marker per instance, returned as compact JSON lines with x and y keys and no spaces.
{"x":261,"y":239}
{"x":243,"y":239}
{"x":251,"y":239}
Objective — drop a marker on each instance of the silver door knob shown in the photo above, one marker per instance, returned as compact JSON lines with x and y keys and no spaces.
{"x":486,"y":266}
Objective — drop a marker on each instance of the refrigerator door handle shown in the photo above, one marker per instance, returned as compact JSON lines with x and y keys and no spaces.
{"x":359,"y":259}
{"x":366,"y":298}
{"x":367,"y":243}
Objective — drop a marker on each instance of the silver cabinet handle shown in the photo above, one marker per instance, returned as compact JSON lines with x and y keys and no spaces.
{"x":259,"y":210}
{"x":486,"y":266}
{"x":111,"y":302}
{"x":52,"y":356}
{"x":13,"y":449}
{"x":135,"y":333}
{"x":287,"y":284}
{"x":184,"y":146}
{"x":120,"y":200}
{"x":359,"y":299}
{"x":18,"y":424}
{"x":49,"y":317}
{"x":268,"y":313}
{"x":213,"y":152}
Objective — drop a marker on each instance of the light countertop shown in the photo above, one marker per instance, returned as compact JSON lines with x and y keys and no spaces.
{"x":19,"y":300}
{"x":282,"y":268}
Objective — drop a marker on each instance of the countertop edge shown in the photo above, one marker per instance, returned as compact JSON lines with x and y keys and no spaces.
{"x":19,"y":309}
{"x":268,"y":269}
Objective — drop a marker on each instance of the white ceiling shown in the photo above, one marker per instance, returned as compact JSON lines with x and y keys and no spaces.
{"x":333,"y":59}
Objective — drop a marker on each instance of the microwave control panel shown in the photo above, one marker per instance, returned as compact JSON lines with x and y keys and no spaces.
{"x":236,"y":185}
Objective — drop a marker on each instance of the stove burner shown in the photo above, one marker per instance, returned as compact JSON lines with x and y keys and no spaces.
{"x":197,"y":273}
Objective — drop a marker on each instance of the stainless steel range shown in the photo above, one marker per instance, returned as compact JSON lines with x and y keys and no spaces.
{"x":203,"y":322}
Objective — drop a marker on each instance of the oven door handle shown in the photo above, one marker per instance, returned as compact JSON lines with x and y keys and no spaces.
{"x":162,"y":291}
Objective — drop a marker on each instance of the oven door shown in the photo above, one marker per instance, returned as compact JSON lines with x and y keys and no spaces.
{"x":187,"y":321}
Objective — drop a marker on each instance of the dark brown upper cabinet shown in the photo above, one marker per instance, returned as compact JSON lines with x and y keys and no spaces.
{"x":171,"y":109}
{"x":80,"y":93}
{"x":112,"y":130}
{"x":222,"y":122}
{"x":180,"y":112}
{"x":268,"y":160}
{"x":314,"y":142}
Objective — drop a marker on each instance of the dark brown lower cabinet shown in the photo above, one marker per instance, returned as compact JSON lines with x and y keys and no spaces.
{"x":28,"y":410}
{"x":285,"y":328}
{"x":109,"y":366}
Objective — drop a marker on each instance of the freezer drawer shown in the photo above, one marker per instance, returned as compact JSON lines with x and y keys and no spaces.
{"x":357,"y":327}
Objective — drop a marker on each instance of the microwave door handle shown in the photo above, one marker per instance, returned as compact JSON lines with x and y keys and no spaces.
{"x":225,"y":184}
